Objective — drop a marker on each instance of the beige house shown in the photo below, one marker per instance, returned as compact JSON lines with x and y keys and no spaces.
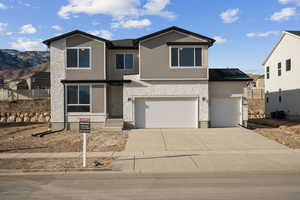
{"x":161,"y":80}
{"x":282,"y":86}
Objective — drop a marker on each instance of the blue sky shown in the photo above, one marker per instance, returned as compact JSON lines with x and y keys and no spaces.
{"x":245,"y":30}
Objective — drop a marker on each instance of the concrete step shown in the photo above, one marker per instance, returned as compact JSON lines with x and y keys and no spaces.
{"x":114,"y":124}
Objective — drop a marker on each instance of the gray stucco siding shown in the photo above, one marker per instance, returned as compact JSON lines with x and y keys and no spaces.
{"x":98,"y":98}
{"x":98,"y":54}
{"x":117,"y":74}
{"x":155,"y":58}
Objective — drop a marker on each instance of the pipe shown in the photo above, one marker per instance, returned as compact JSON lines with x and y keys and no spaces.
{"x":42,"y":134}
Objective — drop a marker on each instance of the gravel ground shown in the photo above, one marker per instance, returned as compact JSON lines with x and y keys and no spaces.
{"x":18,"y":139}
{"x":52,"y":163}
{"x":284,"y":132}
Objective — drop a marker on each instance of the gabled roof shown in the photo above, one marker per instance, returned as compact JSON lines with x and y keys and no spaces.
{"x":228,"y":74}
{"x":295,"y":33}
{"x":175,"y":28}
{"x":47,"y":42}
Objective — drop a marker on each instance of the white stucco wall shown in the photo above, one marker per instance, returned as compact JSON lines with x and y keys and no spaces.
{"x":230,"y":89}
{"x":57,"y":68}
{"x":138,"y":88}
{"x":287,"y":48}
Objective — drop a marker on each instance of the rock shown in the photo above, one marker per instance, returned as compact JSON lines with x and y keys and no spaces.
{"x":26,"y":114}
{"x":26,"y":119}
{"x":33,"y":119}
{"x":11,"y":119}
{"x":3,"y":120}
{"x":46,"y":114}
{"x":41,"y":118}
{"x":47,"y":118}
{"x":19,"y":119}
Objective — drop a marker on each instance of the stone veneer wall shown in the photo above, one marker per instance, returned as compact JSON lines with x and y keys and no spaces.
{"x":164,"y":88}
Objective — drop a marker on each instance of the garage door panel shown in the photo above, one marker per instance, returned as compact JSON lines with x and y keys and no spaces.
{"x":166,"y":113}
{"x":225,"y":112}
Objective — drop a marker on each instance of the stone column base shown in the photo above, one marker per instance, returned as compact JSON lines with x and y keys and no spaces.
{"x":203,"y":124}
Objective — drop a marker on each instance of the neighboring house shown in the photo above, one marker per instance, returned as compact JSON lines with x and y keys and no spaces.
{"x":159,"y":80}
{"x":258,"y":81}
{"x":39,"y":80}
{"x":282,"y":85}
{"x":19,"y":84}
{"x":2,"y":84}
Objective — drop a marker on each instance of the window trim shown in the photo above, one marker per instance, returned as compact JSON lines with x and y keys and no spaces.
{"x":133,"y":65}
{"x":78,"y":68}
{"x":66,"y":97}
{"x":185,"y":67}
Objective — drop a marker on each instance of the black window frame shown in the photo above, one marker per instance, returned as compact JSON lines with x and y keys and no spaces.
{"x":78,"y":57}
{"x":197,"y":61}
{"x":288,"y":65}
{"x":279,"y":69}
{"x":268,"y":72}
{"x":124,"y":67}
{"x":78,"y":106}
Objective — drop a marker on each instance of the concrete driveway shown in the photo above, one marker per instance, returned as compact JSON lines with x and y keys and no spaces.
{"x":221,"y":139}
{"x":204,"y":150}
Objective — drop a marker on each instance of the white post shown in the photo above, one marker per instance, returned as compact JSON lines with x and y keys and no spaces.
{"x":84,"y":150}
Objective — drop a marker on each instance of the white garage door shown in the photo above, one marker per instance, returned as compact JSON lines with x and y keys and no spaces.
{"x":162,"y":112}
{"x":225,"y":112}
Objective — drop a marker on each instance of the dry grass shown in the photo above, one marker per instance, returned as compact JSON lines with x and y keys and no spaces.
{"x":52,"y":163}
{"x":282,"y":131}
{"x":19,"y":139}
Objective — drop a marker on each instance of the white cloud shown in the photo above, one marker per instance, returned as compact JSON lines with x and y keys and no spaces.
{"x":56,"y":27}
{"x":132,"y":24}
{"x":118,"y":9}
{"x":28,"y":29}
{"x":3,"y":27}
{"x":230,"y":15}
{"x":297,"y":2}
{"x":9,"y":33}
{"x":25,"y":44}
{"x":115,"y":8}
{"x":2,"y":6}
{"x":102,"y":33}
{"x":156,"y":7}
{"x":262,"y":35}
{"x":220,"y":39}
{"x":283,"y":14}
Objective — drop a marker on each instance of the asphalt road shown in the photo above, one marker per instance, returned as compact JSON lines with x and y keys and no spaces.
{"x":152,"y":186}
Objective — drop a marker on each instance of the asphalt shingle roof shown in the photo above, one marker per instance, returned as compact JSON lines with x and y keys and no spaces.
{"x":294,"y":32}
{"x":228,"y":74}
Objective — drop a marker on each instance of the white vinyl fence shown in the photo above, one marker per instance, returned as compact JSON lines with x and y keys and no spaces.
{"x":12,"y":95}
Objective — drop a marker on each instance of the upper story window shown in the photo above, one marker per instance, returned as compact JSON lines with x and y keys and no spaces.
{"x":78,"y":58}
{"x":186,"y":57}
{"x":78,"y":98}
{"x":279,"y":69}
{"x":124,"y":61}
{"x":288,"y":65}
{"x":268,"y":72}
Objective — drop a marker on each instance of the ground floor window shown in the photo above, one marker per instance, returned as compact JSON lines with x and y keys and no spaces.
{"x":78,"y":98}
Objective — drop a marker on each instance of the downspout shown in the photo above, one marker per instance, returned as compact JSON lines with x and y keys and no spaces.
{"x":42,"y":134}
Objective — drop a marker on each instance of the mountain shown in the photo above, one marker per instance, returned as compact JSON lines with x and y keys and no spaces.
{"x":16,"y":64}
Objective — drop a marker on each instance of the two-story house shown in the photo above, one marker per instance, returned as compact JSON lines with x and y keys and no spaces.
{"x":282,"y":75}
{"x":161,"y":80}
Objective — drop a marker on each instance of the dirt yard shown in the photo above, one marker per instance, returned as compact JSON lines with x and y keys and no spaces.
{"x":18,"y":139}
{"x":284,"y":132}
{"x":53,"y":163}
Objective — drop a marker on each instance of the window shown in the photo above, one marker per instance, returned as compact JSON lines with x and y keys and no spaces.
{"x":78,"y":58}
{"x":267,"y":99}
{"x":268,"y":72}
{"x":279,"y":96}
{"x":279,"y":69}
{"x":288,"y":65}
{"x":186,"y":57}
{"x":78,"y":98}
{"x":124,"y":61}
